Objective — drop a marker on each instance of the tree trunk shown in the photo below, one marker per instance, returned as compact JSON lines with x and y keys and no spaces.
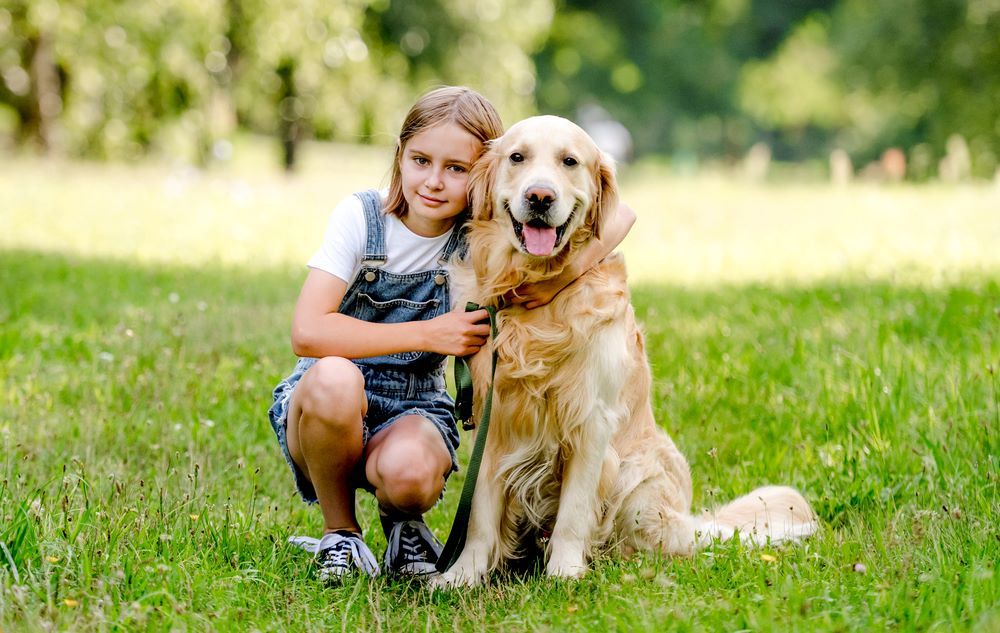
{"x":44,"y":98}
{"x":290,"y":119}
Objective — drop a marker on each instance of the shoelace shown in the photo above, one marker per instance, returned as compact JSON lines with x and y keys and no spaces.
{"x":340,"y":551}
{"x":335,"y":557}
{"x":413,"y":542}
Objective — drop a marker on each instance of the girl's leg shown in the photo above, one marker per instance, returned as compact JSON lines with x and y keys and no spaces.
{"x":325,"y":419}
{"x":407,"y":464}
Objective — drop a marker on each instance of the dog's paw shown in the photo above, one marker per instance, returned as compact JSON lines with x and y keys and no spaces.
{"x":457,"y":577}
{"x":570,"y":567}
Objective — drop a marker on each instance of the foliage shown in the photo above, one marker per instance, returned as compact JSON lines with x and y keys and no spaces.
{"x":669,"y":69}
{"x":175,"y":77}
{"x":110,"y":79}
{"x":927,"y":67}
{"x":694,"y":80}
{"x":875,"y":75}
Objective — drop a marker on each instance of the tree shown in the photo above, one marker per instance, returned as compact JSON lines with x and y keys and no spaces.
{"x":924,"y":71}
{"x":668,"y":69}
{"x":102,"y":78}
{"x":118,"y":79}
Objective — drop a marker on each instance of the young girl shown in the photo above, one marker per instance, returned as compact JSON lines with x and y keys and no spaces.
{"x":366,"y":405}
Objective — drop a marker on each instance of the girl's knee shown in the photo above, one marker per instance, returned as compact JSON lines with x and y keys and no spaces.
{"x":333,"y":389}
{"x":409,"y":484}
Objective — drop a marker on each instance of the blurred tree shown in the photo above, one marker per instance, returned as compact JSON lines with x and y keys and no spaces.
{"x":103,"y":78}
{"x":298,"y":69}
{"x":107,"y":78}
{"x":485,"y":44}
{"x":119,"y":78}
{"x":667,"y":68}
{"x":922,"y":71}
{"x":349,"y":70}
{"x":870,"y":76}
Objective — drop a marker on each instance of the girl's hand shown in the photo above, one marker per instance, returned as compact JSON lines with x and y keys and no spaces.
{"x":538,"y":294}
{"x":458,"y":333}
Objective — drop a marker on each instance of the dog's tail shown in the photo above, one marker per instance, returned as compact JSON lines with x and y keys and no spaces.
{"x":771,"y":514}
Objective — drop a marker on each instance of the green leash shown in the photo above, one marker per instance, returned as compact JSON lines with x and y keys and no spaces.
{"x":463,"y":409}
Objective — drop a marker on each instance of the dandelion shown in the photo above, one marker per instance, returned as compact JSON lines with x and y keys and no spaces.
{"x":767,"y":558}
{"x":52,"y":559}
{"x":107,"y":357}
{"x":193,"y":517}
{"x":173,"y":297}
{"x":71,"y":603}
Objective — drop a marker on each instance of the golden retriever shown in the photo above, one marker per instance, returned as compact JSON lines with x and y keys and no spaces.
{"x":573,"y":451}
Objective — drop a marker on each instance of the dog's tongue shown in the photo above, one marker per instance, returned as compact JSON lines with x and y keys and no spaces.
{"x":539,"y":241}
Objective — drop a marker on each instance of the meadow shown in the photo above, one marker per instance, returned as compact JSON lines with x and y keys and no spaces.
{"x":842,"y":340}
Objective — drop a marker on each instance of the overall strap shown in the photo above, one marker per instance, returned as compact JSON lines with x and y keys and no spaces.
{"x":457,"y":240}
{"x":375,"y":223}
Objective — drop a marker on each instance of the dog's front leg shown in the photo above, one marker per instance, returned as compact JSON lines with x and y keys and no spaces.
{"x":481,"y":545}
{"x":577,"y":517}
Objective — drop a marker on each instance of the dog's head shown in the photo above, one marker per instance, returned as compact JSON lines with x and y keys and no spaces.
{"x":546,"y":181}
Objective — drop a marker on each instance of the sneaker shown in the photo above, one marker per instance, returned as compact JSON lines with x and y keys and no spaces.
{"x":341,"y":553}
{"x":412,"y":551}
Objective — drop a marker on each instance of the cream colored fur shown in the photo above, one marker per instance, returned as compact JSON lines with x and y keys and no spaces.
{"x":573,"y":450}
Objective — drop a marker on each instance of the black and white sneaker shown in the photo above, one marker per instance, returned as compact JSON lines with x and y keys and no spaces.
{"x":412,"y":551}
{"x":341,"y":553}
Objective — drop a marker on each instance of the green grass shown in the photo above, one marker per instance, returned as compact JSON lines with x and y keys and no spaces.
{"x":142,"y":487}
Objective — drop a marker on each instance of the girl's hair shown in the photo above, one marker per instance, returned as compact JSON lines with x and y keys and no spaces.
{"x":451,"y":104}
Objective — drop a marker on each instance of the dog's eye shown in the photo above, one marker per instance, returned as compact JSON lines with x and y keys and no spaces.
{"x":516,"y":157}
{"x":569,"y":161}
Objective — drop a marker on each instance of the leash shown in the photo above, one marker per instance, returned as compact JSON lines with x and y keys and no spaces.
{"x":463,"y":409}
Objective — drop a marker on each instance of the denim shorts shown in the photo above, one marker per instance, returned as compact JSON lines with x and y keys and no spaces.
{"x":391,"y":395}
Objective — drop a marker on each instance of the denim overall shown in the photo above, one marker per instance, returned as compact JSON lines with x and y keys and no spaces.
{"x":397,"y":384}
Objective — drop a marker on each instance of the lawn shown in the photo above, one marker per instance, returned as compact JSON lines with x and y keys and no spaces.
{"x":842,"y":340}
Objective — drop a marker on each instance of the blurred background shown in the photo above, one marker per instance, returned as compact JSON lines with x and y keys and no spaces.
{"x":875,"y":89}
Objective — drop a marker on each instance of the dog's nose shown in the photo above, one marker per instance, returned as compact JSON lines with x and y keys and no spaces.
{"x":539,"y":199}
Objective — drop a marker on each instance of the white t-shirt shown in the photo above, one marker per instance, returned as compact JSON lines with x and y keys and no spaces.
{"x":343,"y":246}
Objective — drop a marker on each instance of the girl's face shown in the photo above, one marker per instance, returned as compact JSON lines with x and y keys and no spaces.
{"x":434,"y":169}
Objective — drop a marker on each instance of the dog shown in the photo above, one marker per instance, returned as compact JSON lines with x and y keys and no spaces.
{"x":573,"y":451}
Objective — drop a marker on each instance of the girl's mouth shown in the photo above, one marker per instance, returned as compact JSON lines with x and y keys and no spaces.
{"x":431,"y":200}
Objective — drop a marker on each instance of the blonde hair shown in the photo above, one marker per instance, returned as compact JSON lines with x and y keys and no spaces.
{"x":450,"y":104}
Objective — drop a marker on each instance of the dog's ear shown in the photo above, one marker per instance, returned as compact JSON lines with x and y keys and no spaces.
{"x":481,"y":179}
{"x":606,"y":202}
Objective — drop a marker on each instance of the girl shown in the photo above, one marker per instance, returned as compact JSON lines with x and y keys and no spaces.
{"x":366,"y":405}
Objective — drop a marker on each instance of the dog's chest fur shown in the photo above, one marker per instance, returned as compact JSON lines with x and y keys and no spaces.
{"x":539,"y":418}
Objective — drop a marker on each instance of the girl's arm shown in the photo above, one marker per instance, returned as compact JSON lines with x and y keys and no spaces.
{"x":534,"y":295}
{"x":318,"y":330}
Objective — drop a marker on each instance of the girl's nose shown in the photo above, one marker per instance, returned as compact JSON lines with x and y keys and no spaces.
{"x":434,"y":180}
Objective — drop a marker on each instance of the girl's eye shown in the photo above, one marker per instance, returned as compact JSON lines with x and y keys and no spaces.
{"x":458,"y":169}
{"x":420,"y":160}
{"x":569,"y":161}
{"x":516,"y":157}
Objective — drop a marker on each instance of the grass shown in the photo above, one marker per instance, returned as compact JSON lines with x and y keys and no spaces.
{"x":143,"y":321}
